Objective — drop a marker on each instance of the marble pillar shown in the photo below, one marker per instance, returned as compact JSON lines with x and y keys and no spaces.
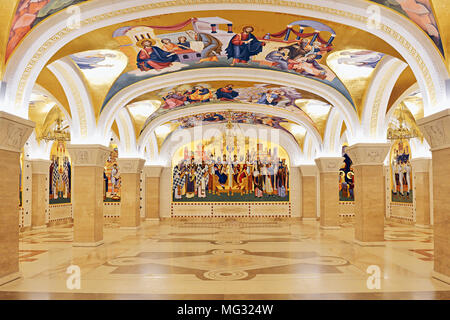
{"x":421,"y":184}
{"x":368,"y":166}
{"x":14,"y":132}
{"x":309,"y":192}
{"x":152,"y":193}
{"x":329,"y":191}
{"x":87,"y":193}
{"x":39,"y":193}
{"x":130,"y":176}
{"x":436,"y":129}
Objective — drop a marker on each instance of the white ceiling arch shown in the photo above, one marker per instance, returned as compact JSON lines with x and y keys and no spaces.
{"x":285,"y":140}
{"x":53,"y":33}
{"x":231,"y":74}
{"x":149,"y":129}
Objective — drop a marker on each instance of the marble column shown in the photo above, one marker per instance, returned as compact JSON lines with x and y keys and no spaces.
{"x":152,"y":180}
{"x":130,"y":176}
{"x":87,"y":193}
{"x":14,"y":132}
{"x":421,"y":184}
{"x":39,"y":193}
{"x":436,"y":129}
{"x":329,"y":191}
{"x":368,"y":165}
{"x":309,"y":192}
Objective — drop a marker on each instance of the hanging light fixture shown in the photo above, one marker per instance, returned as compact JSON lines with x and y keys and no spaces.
{"x":58,"y":134}
{"x":401,"y":131}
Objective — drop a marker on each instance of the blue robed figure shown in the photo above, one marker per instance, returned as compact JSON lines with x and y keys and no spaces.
{"x":151,"y":57}
{"x":243,"y":45}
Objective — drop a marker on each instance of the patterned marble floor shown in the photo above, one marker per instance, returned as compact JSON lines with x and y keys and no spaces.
{"x":228,"y":259}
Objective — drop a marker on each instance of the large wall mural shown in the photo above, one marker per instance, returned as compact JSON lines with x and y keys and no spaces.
{"x":111,"y":176}
{"x":210,"y":172}
{"x":28,"y":14}
{"x":200,"y":42}
{"x":420,"y":12}
{"x":346,"y":178}
{"x":60,"y":175}
{"x":401,"y":172}
{"x":180,"y":97}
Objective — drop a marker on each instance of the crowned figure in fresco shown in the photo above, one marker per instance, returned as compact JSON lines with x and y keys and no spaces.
{"x":244,"y":45}
{"x":151,"y":57}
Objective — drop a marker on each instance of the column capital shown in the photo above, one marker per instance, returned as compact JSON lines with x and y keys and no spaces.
{"x":88,"y":155}
{"x":329,"y":164}
{"x":436,"y":129}
{"x":308,"y":170}
{"x":130,"y":165}
{"x":14,"y":131}
{"x":40,"y":166}
{"x":368,"y":153}
{"x":153,"y":171}
{"x":421,"y":164}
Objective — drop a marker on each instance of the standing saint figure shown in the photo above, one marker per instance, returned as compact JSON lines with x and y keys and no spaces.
{"x":244,"y":45}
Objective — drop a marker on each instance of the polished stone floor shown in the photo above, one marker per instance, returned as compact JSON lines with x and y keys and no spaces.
{"x":227,"y":259}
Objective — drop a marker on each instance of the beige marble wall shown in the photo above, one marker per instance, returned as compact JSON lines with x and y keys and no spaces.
{"x":441,"y":187}
{"x":152,"y":198}
{"x":14,"y":132}
{"x":152,"y":192}
{"x":309,"y":192}
{"x":87,"y":195}
{"x":369,"y":203}
{"x":39,"y":200}
{"x":9,"y":203}
{"x":421,"y":183}
{"x":436,"y":129}
{"x":130,"y":173}
{"x":368,"y":166}
{"x":329,"y":191}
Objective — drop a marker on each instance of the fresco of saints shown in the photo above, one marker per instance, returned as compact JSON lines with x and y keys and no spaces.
{"x":199,"y":94}
{"x":226,"y":93}
{"x":280,"y":58}
{"x":173,"y":100}
{"x":168,"y":46}
{"x":244,"y":45}
{"x":212,"y":47}
{"x":151,"y":57}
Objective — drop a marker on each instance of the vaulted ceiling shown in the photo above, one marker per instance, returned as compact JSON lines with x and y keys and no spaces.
{"x":323,"y":72}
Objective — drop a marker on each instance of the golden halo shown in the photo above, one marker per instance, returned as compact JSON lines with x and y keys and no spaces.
{"x":140,"y":42}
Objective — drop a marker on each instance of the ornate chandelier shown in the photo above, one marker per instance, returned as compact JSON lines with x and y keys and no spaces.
{"x":58,"y":134}
{"x":401,"y":131}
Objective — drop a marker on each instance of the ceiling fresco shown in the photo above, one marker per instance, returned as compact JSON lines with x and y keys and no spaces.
{"x":221,"y":92}
{"x":299,"y":48}
{"x":100,"y":69}
{"x":420,"y":12}
{"x":235,"y":117}
{"x":28,"y":14}
{"x":355,"y":68}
